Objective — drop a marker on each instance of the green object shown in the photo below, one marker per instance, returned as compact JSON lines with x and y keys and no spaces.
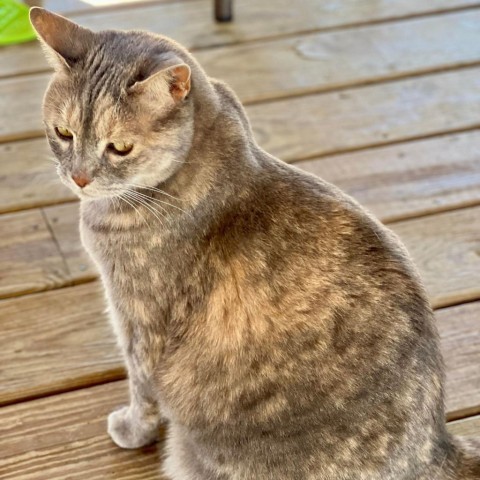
{"x":14,"y":23}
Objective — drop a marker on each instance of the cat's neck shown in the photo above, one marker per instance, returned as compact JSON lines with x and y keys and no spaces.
{"x":223,"y":158}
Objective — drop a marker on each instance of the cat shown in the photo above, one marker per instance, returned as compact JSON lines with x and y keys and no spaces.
{"x":278,"y":329}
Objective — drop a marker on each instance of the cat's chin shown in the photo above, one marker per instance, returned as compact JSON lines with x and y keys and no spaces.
{"x":85,"y":195}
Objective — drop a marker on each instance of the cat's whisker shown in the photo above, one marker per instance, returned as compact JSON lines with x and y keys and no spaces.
{"x":155,"y":189}
{"x":112,"y":200}
{"x":119,"y":203}
{"x":143,"y":195}
{"x":151,"y":207}
{"x":141,"y":201}
{"x":170,"y":204}
{"x":155,"y":206}
{"x":178,"y":208}
{"x":116,"y":202}
{"x":131,"y":202}
{"x":164,"y":202}
{"x":152,"y":199}
{"x":121,"y":197}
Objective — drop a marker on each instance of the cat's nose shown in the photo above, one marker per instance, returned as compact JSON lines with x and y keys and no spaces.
{"x":81,"y":179}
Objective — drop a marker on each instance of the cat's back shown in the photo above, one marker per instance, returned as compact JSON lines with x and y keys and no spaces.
{"x":307,"y":218}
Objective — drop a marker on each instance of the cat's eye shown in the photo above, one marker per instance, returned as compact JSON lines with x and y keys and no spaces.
{"x":63,"y":133}
{"x":120,"y":148}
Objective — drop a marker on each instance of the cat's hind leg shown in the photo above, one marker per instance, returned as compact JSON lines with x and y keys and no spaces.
{"x":182,"y":462}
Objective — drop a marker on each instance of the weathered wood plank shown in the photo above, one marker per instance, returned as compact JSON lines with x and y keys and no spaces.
{"x":327,"y":123}
{"x":65,"y":436}
{"x":28,"y":178}
{"x":21,"y":99}
{"x":446,"y":250}
{"x":63,"y":222}
{"x":409,"y":179}
{"x":316,"y":62}
{"x":191,"y":23}
{"x":468,"y":427}
{"x":459,"y":329}
{"x":368,"y":116}
{"x":29,"y":258}
{"x":56,"y":341}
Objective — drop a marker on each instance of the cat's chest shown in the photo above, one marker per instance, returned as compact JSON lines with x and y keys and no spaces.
{"x":126,"y":259}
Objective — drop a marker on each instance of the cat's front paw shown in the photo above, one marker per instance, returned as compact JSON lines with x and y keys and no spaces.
{"x":129,"y":431}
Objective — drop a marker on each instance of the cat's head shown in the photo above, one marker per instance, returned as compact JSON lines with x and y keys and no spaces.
{"x":117,"y":111}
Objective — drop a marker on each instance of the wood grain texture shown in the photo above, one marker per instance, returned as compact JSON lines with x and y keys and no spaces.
{"x":21,"y":100}
{"x":468,"y":427}
{"x":326,"y":123}
{"x":54,"y":342}
{"x":30,"y":260}
{"x":446,"y":250}
{"x":191,"y":22}
{"x":410,"y":179}
{"x":28,"y":178}
{"x":65,"y":437}
{"x":459,"y":329}
{"x":367,"y":116}
{"x":315,"y":62}
{"x":63,"y":221}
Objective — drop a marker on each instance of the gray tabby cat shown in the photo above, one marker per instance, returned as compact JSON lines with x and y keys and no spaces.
{"x":280,"y":330}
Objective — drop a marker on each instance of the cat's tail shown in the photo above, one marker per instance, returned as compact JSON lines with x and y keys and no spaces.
{"x":467,"y":460}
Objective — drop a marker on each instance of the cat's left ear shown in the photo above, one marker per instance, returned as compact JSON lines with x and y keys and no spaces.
{"x":174,"y":80}
{"x":63,"y":41}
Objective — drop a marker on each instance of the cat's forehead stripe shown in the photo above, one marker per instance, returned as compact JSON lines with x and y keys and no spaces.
{"x":101,"y":84}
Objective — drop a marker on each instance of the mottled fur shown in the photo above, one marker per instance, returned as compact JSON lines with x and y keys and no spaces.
{"x":281,"y":330}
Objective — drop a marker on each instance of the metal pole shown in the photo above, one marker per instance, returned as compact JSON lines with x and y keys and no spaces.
{"x":223,"y":10}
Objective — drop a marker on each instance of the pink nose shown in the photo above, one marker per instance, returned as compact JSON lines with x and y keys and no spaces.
{"x":81,"y":179}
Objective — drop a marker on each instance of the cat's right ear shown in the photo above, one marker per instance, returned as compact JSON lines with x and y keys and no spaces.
{"x":63,"y":41}
{"x":173,"y":81}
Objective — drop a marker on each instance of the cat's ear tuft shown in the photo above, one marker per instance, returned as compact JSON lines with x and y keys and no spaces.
{"x":179,"y":81}
{"x":63,"y":41}
{"x":174,"y":81}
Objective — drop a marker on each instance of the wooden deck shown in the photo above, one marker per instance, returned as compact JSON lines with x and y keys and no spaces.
{"x":380,"y":97}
